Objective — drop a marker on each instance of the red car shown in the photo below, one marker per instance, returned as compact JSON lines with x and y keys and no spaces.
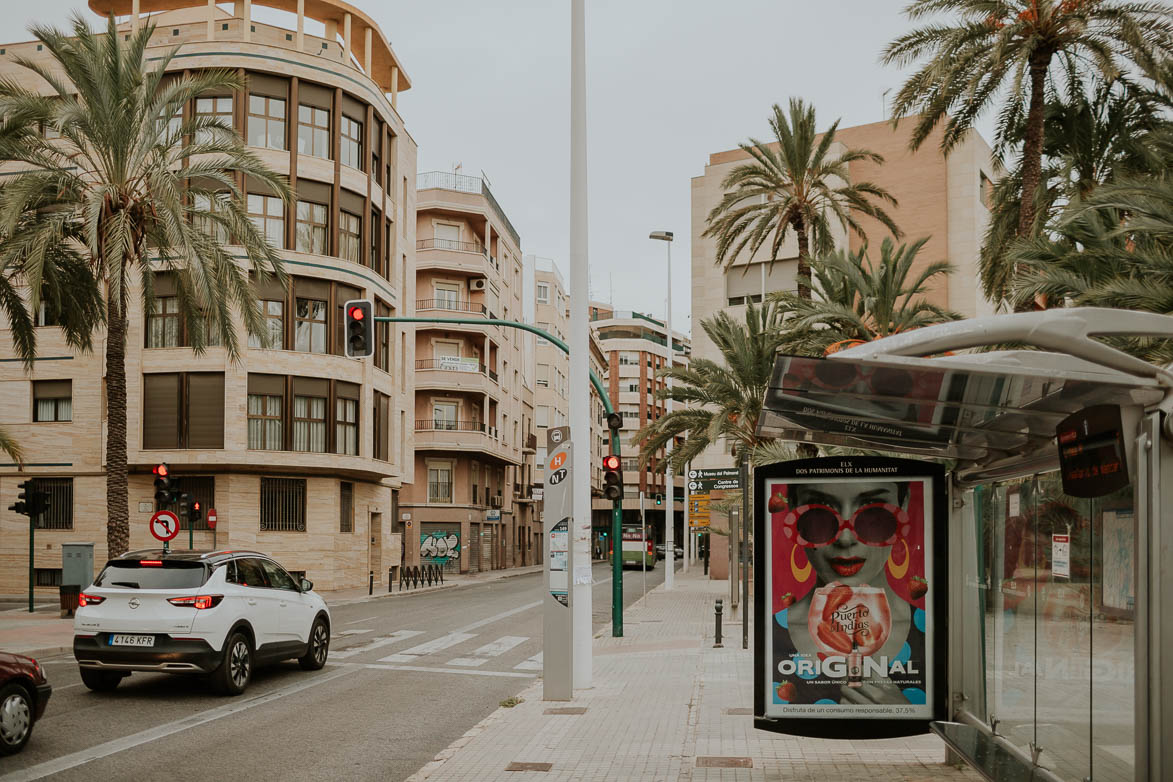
{"x":23,"y":695}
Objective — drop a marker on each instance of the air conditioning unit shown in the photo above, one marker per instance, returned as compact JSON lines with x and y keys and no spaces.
{"x":478,"y":284}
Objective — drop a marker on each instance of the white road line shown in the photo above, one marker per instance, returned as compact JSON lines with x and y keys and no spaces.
{"x":356,"y":621}
{"x":531,"y":664}
{"x":75,"y":759}
{"x":489,"y":651}
{"x":498,"y":617}
{"x":387,"y":640}
{"x":425,"y":669}
{"x":427,"y":647}
{"x":353,"y":632}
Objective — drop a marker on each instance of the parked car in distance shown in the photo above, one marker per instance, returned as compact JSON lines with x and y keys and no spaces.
{"x":217,"y":613}
{"x":662,"y":551}
{"x":24,"y":692}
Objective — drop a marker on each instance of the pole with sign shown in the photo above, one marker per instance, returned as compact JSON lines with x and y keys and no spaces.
{"x":164,"y":527}
{"x":557,"y":515}
{"x":212,"y":519}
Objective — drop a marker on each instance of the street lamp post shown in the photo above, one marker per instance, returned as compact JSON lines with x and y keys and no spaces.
{"x":670,"y":510}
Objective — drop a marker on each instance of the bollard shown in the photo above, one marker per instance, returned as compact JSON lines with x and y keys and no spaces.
{"x":717,"y":618}
{"x":371,"y":584}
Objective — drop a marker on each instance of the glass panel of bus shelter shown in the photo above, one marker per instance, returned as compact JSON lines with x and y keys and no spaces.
{"x":1113,"y":666}
{"x":1065,"y":558}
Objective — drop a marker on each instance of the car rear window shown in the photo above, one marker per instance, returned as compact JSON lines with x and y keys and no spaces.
{"x":156,"y":574}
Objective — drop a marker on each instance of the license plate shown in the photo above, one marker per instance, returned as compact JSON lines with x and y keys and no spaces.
{"x":132,"y":640}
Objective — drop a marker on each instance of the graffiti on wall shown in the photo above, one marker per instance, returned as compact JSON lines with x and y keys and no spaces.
{"x":439,"y":547}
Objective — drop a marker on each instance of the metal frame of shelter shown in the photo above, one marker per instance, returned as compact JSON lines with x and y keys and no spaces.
{"x":993,"y":416}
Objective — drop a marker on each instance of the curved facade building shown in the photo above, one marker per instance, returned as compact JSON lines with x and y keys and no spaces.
{"x":300,"y":451}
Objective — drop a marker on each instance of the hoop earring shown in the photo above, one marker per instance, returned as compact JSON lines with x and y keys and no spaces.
{"x":800,"y":574}
{"x":898,"y":571}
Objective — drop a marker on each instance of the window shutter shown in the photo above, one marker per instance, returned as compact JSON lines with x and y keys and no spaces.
{"x":205,"y":410}
{"x":161,"y":411}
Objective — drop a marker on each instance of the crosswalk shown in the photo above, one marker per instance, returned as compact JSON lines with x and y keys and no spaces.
{"x":490,"y":653}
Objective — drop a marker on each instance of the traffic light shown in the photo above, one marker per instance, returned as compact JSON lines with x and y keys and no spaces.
{"x":360,"y":329}
{"x":614,"y":421}
{"x":659,"y":499}
{"x":184,"y":504}
{"x":21,"y":504}
{"x":164,"y":491}
{"x":612,"y":477}
{"x":38,"y":500}
{"x":195,"y":513}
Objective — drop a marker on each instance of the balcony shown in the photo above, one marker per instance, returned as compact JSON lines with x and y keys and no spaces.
{"x":450,"y":244}
{"x":456,"y":374}
{"x":447,"y":305}
{"x":451,"y":255}
{"x":476,"y":436}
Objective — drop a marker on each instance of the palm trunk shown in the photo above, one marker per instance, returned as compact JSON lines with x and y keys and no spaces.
{"x":117,"y":503}
{"x":1032,"y":146}
{"x":804,"y":269}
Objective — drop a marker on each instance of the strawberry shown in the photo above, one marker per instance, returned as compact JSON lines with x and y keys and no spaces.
{"x":837,"y":597}
{"x":777,"y":503}
{"x":786,"y":601}
{"x":786,"y":691}
{"x":917,"y":588}
{"x":836,"y":639}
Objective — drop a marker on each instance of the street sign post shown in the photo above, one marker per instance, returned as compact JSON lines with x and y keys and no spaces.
{"x":212,"y":519}
{"x":164,"y":526}
{"x":557,"y":522}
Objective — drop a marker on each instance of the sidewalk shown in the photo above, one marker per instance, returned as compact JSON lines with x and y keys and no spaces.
{"x":45,"y":633}
{"x":667,"y":706}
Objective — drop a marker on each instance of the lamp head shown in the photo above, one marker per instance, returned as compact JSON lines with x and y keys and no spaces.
{"x":664,"y":236}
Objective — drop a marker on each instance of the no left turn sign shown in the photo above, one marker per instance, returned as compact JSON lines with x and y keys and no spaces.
{"x":164,"y":525}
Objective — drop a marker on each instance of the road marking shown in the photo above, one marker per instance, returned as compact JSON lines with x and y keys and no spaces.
{"x":489,"y":651}
{"x":345,"y":633}
{"x":387,"y":640}
{"x":499,"y":617}
{"x":427,"y":647}
{"x":356,"y":621}
{"x":426,"y":669}
{"x":106,"y":749}
{"x":531,"y":664}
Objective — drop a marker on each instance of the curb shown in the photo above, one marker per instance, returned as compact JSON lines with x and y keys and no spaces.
{"x":48,"y":651}
{"x":427,"y":590}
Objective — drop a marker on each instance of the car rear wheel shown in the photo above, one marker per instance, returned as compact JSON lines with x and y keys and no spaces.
{"x":318,"y":649}
{"x":236,"y":670}
{"x":100,"y":681}
{"x":16,"y":718}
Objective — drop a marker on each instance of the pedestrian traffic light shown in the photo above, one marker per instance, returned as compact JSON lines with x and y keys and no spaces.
{"x":195,"y":513}
{"x":360,"y":329}
{"x":164,"y":491}
{"x":659,"y":499}
{"x":612,"y":477}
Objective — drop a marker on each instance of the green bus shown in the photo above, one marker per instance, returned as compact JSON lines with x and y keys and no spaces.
{"x":638,"y":548}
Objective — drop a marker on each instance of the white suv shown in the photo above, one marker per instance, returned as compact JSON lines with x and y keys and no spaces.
{"x":219,"y":613}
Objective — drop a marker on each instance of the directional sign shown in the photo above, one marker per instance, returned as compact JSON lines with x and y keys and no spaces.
{"x":557,"y":521}
{"x":164,"y":525}
{"x":698,"y":510}
{"x":706,"y":481}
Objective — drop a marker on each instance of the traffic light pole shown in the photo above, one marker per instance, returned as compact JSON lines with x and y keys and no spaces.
{"x":616,"y":448}
{"x":32,"y":527}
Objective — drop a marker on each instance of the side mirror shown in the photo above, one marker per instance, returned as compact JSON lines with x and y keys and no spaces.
{"x":306,"y":585}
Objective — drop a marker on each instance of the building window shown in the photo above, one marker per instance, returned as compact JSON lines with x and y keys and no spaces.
{"x":266,"y":122}
{"x":59,"y":514}
{"x":374,"y":261}
{"x":346,"y":426}
{"x":309,"y":424}
{"x":350,"y":149}
{"x":382,"y":338}
{"x":204,"y":206}
{"x":313,"y":131}
{"x":163,"y":325}
{"x":52,"y":400}
{"x":543,"y":375}
{"x":439,"y":483}
{"x":985,"y":190}
{"x":382,"y":422}
{"x":183,"y":410}
{"x":349,"y":237}
{"x":268,"y":215}
{"x":313,"y":228}
{"x":346,"y":507}
{"x":542,"y":416}
{"x":47,"y":576}
{"x":274,"y":314}
{"x":264,"y":422}
{"x":213,"y":109}
{"x":282,"y":504}
{"x":543,"y":293}
{"x":309,"y":326}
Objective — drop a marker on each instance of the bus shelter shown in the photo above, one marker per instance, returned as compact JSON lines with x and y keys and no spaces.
{"x":1058,"y":598}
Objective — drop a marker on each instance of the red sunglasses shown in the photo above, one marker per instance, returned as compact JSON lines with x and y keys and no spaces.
{"x":875,"y":524}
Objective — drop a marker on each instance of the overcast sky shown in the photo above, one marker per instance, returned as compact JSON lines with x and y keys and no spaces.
{"x":668,"y":83}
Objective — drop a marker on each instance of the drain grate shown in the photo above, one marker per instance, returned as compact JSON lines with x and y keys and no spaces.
{"x":724,"y":762}
{"x":520,"y":766}
{"x":566,"y":710}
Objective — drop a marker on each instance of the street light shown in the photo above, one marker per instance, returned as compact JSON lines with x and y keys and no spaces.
{"x":670,"y":511}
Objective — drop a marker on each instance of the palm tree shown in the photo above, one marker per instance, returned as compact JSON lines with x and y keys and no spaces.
{"x":132,"y":191}
{"x":717,"y":400}
{"x":11,"y":447}
{"x":993,"y":47}
{"x":794,"y":183}
{"x":857,"y":300}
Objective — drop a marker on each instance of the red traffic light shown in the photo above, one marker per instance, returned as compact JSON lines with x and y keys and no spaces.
{"x":611,"y":462}
{"x":357,"y":313}
{"x":195,"y":506}
{"x":160,"y":470}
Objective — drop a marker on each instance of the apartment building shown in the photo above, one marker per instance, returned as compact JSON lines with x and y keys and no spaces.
{"x":635,"y":347}
{"x":301,"y":451}
{"x":474,"y":405}
{"x":552,"y":370}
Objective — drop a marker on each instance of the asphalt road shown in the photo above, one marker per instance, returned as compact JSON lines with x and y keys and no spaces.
{"x":406,"y":677}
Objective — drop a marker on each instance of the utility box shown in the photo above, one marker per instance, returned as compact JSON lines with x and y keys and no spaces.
{"x":77,"y":564}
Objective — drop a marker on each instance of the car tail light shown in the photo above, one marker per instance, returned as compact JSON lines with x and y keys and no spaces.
{"x":151,"y":562}
{"x":84,"y":600}
{"x":197,"y":601}
{"x":651,"y":550}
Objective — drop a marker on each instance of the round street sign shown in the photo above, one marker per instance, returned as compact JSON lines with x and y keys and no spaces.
{"x":164,"y":525}
{"x":212,"y":519}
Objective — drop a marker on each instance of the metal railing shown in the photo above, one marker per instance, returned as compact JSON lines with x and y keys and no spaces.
{"x":462,"y":183}
{"x":440,"y":425}
{"x":450,"y":244}
{"x":435,"y":363}
{"x":419,"y":575}
{"x":451,"y":306}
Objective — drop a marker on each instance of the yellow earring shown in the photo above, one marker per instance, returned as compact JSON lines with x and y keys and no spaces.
{"x":898,"y":571}
{"x":800,"y":574}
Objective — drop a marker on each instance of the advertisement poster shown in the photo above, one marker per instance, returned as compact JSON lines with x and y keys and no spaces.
{"x":852,"y":594}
